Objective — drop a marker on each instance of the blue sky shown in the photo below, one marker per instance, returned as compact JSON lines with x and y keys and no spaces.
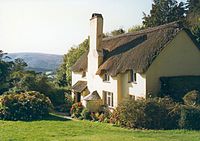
{"x":53,"y":26}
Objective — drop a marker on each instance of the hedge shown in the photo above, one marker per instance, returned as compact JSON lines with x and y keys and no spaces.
{"x":177,"y":87}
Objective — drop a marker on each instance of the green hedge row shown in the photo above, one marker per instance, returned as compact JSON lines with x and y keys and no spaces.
{"x":156,"y":113}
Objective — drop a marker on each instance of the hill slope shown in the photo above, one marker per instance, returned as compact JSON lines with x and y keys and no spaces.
{"x":39,"y":62}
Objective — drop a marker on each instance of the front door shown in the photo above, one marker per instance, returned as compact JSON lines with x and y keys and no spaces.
{"x":78,"y":97}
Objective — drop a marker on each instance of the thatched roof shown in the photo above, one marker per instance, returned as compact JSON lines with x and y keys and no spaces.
{"x":81,"y":63}
{"x":93,"y":96}
{"x":79,"y":86}
{"x":132,"y":51}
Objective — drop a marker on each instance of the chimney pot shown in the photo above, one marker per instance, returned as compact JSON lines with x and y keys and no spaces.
{"x":96,"y":15}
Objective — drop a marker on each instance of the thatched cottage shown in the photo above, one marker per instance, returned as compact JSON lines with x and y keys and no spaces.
{"x":131,"y":64}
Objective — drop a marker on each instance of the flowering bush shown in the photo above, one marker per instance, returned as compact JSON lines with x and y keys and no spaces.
{"x":76,"y":110}
{"x":25,"y":106}
{"x":102,"y":116}
{"x":86,"y":114}
{"x":115,"y":117}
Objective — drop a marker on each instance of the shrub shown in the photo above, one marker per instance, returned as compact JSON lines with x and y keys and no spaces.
{"x":154,"y":113}
{"x":192,"y":98}
{"x":68,"y":103}
{"x":115,"y":117}
{"x":103,"y":117}
{"x":95,"y":116}
{"x":161,"y":113}
{"x":57,"y":96}
{"x":190,"y":116}
{"x":66,"y":106}
{"x":130,"y":114}
{"x":105,"y":113}
{"x":76,"y":110}
{"x":25,"y":106}
{"x":86,"y":114}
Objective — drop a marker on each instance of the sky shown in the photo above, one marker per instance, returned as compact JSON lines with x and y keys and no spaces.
{"x":53,"y":26}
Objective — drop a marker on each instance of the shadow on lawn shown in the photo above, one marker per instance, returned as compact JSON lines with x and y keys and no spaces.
{"x":50,"y":117}
{"x":53,"y":117}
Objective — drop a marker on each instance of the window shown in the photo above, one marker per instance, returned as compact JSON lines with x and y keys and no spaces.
{"x":131,"y":76}
{"x":132,"y":97}
{"x":83,"y":74}
{"x":106,"y":77}
{"x":108,"y":98}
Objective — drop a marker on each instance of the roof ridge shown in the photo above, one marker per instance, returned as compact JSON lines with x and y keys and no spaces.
{"x":147,"y":30}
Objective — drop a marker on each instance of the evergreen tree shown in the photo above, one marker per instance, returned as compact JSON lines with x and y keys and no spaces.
{"x":164,"y":11}
{"x":193,"y":17}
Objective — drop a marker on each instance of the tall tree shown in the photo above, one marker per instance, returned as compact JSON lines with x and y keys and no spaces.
{"x":19,"y":65}
{"x":193,"y":17}
{"x":164,"y":11}
{"x":63,"y":76}
{"x":5,"y":69}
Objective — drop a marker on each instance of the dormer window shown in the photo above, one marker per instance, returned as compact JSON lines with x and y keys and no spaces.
{"x":106,"y":77}
{"x":83,"y":74}
{"x":132,"y":76}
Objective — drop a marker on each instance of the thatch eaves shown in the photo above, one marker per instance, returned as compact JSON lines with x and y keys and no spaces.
{"x":79,"y":86}
{"x":81,"y":63}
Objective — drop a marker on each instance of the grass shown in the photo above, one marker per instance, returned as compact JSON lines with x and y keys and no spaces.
{"x":59,"y":129}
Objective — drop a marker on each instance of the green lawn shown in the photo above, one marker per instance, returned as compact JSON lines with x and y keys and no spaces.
{"x":59,"y":129}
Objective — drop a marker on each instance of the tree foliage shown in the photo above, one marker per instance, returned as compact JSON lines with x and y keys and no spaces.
{"x":164,"y":11}
{"x":5,"y":69}
{"x":114,"y":32}
{"x":19,"y":65}
{"x":136,"y":28}
{"x":193,"y":17}
{"x":118,"y":32}
{"x":64,"y":71}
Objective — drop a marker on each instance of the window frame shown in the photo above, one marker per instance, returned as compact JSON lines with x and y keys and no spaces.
{"x":106,"y":77}
{"x":83,"y":74}
{"x":108,"y":99}
{"x":132,"y":97}
{"x":132,"y":77}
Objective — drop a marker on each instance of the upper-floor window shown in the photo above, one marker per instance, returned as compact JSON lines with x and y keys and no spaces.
{"x":106,"y":77}
{"x":83,"y":74}
{"x":132,"y":76}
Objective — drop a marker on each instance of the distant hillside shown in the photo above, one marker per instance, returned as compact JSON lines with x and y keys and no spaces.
{"x":39,"y":62}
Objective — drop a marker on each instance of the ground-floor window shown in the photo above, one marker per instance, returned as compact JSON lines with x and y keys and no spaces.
{"x":108,"y":98}
{"x":132,"y":97}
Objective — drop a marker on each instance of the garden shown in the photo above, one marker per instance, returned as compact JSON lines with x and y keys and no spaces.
{"x":28,"y":116}
{"x":152,"y":113}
